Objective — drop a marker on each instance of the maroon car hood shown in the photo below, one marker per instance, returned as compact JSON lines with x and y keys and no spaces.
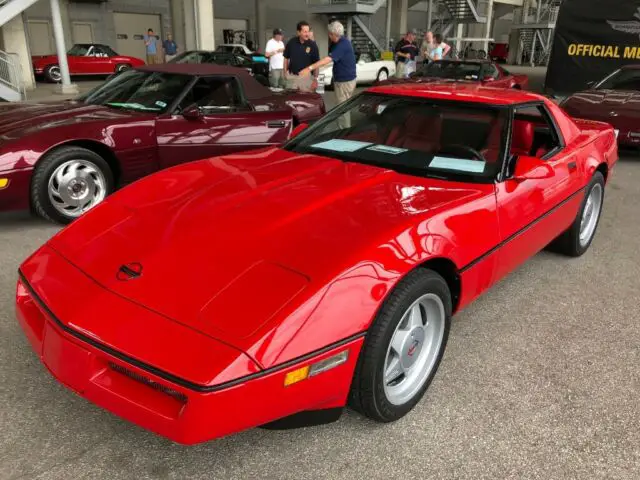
{"x":605,"y":100}
{"x":18,"y":119}
{"x":254,"y":222}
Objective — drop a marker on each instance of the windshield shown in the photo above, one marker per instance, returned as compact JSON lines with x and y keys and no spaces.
{"x":423,"y":137}
{"x":621,"y":79}
{"x":139,"y":90}
{"x":194,"y":57}
{"x":451,"y":70}
{"x":79,"y":50}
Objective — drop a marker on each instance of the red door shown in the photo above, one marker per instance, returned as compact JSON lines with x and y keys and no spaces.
{"x":182,"y":140}
{"x":532,"y":213}
{"x":95,"y":62}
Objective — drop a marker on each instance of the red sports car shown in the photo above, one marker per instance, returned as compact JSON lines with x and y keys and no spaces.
{"x":483,"y":72}
{"x":615,"y":100}
{"x":84,"y":59}
{"x":277,"y":286}
{"x":63,"y":158}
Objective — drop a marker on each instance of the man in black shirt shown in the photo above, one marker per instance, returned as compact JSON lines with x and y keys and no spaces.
{"x":406,"y":52}
{"x":299,"y":53}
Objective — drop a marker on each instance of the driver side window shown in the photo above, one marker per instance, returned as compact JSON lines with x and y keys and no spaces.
{"x":215,"y":95}
{"x":533,"y":133}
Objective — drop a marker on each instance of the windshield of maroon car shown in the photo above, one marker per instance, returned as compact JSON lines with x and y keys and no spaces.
{"x":139,"y":90}
{"x":621,"y":79}
{"x":451,"y":70}
{"x":443,"y":139}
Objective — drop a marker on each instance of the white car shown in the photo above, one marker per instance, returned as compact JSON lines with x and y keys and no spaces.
{"x":236,"y":48}
{"x":368,"y":70}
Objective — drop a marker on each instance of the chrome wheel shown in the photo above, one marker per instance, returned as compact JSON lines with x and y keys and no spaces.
{"x":414,"y":348}
{"x":591,"y":214}
{"x":382,"y":75}
{"x":55,"y":74}
{"x":76,"y":186}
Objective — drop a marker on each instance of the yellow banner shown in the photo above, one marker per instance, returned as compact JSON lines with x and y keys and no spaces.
{"x":603,"y":51}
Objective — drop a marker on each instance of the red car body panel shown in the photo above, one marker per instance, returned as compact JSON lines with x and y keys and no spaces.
{"x":137,"y":144}
{"x":276,"y":259}
{"x":83,"y":65}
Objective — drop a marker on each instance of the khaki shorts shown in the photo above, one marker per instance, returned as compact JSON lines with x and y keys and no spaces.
{"x":152,"y":59}
{"x":168,"y":58}
{"x":344,"y":91}
{"x":294,"y":82}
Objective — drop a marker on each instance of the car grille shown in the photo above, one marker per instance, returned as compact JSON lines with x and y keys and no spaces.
{"x":181,"y":397}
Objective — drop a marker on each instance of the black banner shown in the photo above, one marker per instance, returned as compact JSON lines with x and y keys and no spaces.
{"x":592,"y":39}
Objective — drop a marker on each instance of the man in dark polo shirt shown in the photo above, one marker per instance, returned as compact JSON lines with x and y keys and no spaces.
{"x":344,"y":66}
{"x":299,"y":53}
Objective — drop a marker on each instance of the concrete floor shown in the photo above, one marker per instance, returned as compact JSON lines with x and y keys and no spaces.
{"x":541,"y":380}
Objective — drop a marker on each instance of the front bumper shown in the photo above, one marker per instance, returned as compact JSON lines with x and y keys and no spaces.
{"x":169,"y":409}
{"x":14,"y":189}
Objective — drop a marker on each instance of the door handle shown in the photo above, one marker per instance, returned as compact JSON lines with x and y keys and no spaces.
{"x":276,"y":124}
{"x":572,"y":166}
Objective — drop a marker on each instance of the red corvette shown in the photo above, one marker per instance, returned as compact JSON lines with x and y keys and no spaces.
{"x":63,"y":158}
{"x":84,"y":59}
{"x":276,"y":286}
{"x":483,"y":72}
{"x":615,"y":100}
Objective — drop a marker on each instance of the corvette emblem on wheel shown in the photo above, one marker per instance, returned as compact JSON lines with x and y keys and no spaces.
{"x":129,"y":271}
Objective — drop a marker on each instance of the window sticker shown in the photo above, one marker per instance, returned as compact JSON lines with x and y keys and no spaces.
{"x":161,"y":104}
{"x":458,"y":164}
{"x":387,"y":149}
{"x":341,"y":145}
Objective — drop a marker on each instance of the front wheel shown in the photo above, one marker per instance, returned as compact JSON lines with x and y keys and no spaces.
{"x":403,"y":347}
{"x":68,"y":182}
{"x":53,"y":74}
{"x":122,"y":67}
{"x":383,"y":75}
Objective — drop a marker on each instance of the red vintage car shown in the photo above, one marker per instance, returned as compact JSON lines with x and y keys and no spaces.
{"x":274,"y":287}
{"x":615,"y":100}
{"x":84,"y":59}
{"x":62,"y":158}
{"x":483,"y":72}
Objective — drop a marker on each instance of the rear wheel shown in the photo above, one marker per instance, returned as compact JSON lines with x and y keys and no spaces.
{"x":383,"y":75}
{"x":53,"y":74}
{"x":403,"y":347}
{"x":68,"y":182}
{"x":121,"y":67}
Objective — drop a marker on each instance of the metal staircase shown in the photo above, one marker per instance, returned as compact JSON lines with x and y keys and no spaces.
{"x":464,"y":11}
{"x":535,"y":25}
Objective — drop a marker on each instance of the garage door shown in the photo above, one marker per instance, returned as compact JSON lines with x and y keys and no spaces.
{"x":40,"y":37}
{"x":237,"y":25}
{"x":130,"y":31}
{"x":82,"y":32}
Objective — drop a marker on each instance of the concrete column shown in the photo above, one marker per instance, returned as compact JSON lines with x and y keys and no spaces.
{"x":399,"y":17}
{"x":14,"y":40}
{"x":177,"y":24}
{"x":349,"y":32}
{"x":205,"y":35}
{"x":261,"y":25}
{"x":459,"y":34}
{"x":58,"y":33}
{"x":189,"y":18}
{"x":387,"y":31}
{"x":66,"y":23}
{"x":487,"y":34}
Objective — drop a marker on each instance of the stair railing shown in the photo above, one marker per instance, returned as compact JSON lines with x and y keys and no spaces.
{"x":11,"y":73}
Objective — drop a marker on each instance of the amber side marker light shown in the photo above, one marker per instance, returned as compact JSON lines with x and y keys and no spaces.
{"x":4,"y":183}
{"x":302,"y":373}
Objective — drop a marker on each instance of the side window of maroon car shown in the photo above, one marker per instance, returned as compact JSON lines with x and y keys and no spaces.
{"x":214,"y":95}
{"x":533,"y":133}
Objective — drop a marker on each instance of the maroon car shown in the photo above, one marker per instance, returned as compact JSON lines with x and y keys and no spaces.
{"x":485,"y":72}
{"x":615,"y":100}
{"x":62,"y":158}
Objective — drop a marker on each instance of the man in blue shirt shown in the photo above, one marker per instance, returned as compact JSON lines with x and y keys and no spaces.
{"x":170,"y":48}
{"x":150,"y":44}
{"x":344,"y":66}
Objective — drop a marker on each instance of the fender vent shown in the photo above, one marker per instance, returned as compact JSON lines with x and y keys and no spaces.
{"x":181,"y":397}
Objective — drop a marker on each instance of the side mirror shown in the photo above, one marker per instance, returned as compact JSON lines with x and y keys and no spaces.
{"x":296,"y":131}
{"x":192,"y":113}
{"x":531,"y":168}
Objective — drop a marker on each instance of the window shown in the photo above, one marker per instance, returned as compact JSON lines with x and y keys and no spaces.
{"x":450,"y":70}
{"x":533,"y":133}
{"x":215,"y":95}
{"x":422,"y":137}
{"x":365,"y":58}
{"x":79,"y":50}
{"x":490,"y":70}
{"x":622,"y":79}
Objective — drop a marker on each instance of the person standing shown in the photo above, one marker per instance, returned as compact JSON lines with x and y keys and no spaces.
{"x":427,"y":46}
{"x":151,"y":47}
{"x":406,"y":52}
{"x":274,"y":52}
{"x":344,"y":66}
{"x":299,"y":53}
{"x":170,"y":48}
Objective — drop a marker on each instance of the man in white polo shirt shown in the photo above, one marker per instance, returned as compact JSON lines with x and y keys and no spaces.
{"x":274,"y":52}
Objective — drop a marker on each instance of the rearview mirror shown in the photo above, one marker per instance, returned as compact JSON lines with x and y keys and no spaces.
{"x":192,"y":113}
{"x":296,"y":131}
{"x":531,"y":168}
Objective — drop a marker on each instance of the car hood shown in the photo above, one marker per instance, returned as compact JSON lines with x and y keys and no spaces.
{"x":227,"y":244}
{"x":596,"y":100}
{"x":18,"y":119}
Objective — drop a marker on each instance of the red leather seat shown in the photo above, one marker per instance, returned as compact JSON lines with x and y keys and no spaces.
{"x":522,"y":137}
{"x":419,"y":132}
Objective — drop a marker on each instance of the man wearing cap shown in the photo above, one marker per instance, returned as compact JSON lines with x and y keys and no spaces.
{"x":274,"y":52}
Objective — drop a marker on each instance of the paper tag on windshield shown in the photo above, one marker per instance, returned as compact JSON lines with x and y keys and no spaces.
{"x":341,"y":145}
{"x":458,"y":164}
{"x":160,"y":104}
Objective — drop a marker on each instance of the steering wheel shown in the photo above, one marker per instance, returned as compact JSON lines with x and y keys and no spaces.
{"x":456,"y":147}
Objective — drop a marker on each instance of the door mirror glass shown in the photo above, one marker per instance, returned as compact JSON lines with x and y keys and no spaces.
{"x":192,"y":113}
{"x":531,"y":168}
{"x":297,"y":130}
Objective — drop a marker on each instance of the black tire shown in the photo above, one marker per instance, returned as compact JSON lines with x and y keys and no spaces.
{"x":379,"y":72}
{"x":367,"y":390}
{"x":121,"y":67}
{"x":50,"y":73}
{"x":40,"y":202}
{"x":569,"y":242}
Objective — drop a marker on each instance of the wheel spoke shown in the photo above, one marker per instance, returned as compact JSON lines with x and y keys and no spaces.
{"x":398,"y":341}
{"x":415,"y":319}
{"x":394,"y":370}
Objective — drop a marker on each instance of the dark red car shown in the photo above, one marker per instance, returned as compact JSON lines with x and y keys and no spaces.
{"x":483,"y":72}
{"x":615,"y":100}
{"x":63,"y":158}
{"x":285,"y":283}
{"x":84,"y":59}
